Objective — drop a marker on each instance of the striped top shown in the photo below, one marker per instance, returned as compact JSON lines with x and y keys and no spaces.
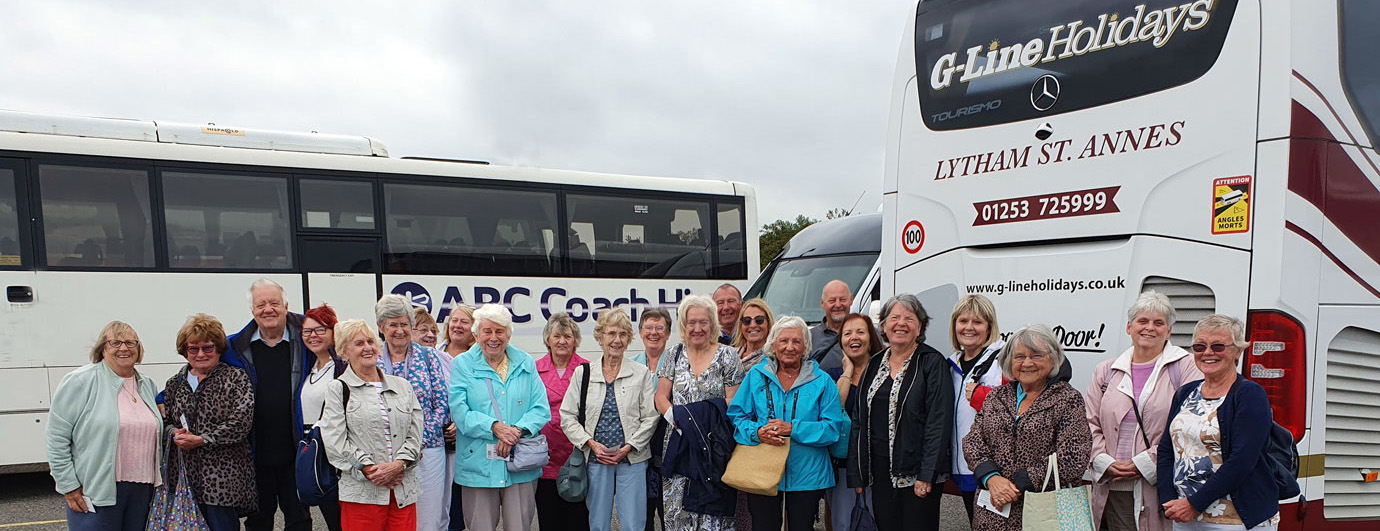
{"x":387,"y":426}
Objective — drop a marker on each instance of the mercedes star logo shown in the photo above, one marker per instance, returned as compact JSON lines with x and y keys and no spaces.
{"x":1044,"y":92}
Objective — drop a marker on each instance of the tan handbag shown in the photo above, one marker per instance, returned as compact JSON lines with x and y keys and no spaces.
{"x":757,"y":468}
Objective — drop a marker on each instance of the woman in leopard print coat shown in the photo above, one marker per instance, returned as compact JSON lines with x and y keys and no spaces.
{"x":1024,"y":421}
{"x":210,"y":408}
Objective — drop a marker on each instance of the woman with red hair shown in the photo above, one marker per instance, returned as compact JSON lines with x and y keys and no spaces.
{"x":318,"y":334}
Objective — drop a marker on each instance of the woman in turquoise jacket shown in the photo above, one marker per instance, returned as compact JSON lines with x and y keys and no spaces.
{"x":105,"y":434}
{"x":493,"y":368}
{"x":787,"y":398}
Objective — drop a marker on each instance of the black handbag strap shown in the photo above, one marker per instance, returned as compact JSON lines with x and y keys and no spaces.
{"x":1135,"y":406}
{"x":584,"y":394}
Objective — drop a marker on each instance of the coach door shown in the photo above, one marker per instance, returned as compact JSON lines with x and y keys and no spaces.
{"x":339,"y":243}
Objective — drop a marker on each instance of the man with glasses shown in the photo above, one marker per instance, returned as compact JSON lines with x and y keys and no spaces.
{"x":270,"y":350}
{"x":837,"y":301}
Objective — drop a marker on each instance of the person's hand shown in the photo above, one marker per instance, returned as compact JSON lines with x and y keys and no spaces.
{"x":613,"y":457}
{"x":389,"y":474}
{"x":1179,"y":510}
{"x":769,"y":434}
{"x":74,"y":501}
{"x":1123,"y":470}
{"x":784,"y":428}
{"x":848,"y":369}
{"x":596,"y":448}
{"x":186,"y":440}
{"x":923,"y":488}
{"x":968,"y":390}
{"x":506,"y":435}
{"x":1003,"y":490}
{"x":502,"y":449}
{"x":450,"y":432}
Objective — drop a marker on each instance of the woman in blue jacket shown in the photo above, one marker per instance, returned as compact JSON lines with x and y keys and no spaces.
{"x":1212,"y":470}
{"x":787,"y":398}
{"x":492,"y":371}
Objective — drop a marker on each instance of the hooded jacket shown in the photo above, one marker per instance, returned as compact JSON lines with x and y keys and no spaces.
{"x":812,"y":408}
{"x":924,"y":421}
{"x":521,"y":399}
{"x":965,"y":408}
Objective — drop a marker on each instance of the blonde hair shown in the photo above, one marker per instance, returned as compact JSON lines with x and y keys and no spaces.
{"x":201,"y":327}
{"x":109,"y":332}
{"x":696,"y":301}
{"x":739,"y":340}
{"x":345,"y":332}
{"x":421,"y":317}
{"x":980,"y":306}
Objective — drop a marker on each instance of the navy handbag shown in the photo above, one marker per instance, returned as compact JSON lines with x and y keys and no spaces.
{"x":316,"y":478}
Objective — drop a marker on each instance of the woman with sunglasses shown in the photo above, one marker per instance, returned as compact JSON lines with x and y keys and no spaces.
{"x":750,"y":339}
{"x":1211,"y":459}
{"x":1128,"y":403}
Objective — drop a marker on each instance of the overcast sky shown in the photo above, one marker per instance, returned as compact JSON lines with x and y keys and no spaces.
{"x":791,"y":97}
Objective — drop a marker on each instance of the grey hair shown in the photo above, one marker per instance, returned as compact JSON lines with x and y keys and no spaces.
{"x":1037,"y":338}
{"x":654,"y":312}
{"x":1152,"y":301}
{"x":696,"y":301}
{"x":1219,"y":322}
{"x":910,"y":303}
{"x":560,"y":322}
{"x":728,"y":285}
{"x":784,"y":323}
{"x":494,"y":313}
{"x":394,"y":305}
{"x":265,"y":283}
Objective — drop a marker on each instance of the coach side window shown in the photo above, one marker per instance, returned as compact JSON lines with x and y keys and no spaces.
{"x":9,"y":221}
{"x":95,"y":217}
{"x":732,"y":243}
{"x":218,"y":221}
{"x":1360,"y":64}
{"x":622,"y":237}
{"x":330,"y":204}
{"x":469,"y":230}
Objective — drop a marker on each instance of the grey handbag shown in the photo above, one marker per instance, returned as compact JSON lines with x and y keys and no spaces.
{"x":530,"y":453}
{"x":572,"y":482}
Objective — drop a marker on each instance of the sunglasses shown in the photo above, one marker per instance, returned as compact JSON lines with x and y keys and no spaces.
{"x":749,"y":320}
{"x":1216,"y":348}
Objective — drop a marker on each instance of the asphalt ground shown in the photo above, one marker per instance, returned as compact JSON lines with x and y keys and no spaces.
{"x":29,"y":503}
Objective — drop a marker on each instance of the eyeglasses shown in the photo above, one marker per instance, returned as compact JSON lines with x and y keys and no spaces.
{"x":1037,"y":357}
{"x":207,"y":349}
{"x":653,"y":328}
{"x":318,"y":331}
{"x":425,"y":329}
{"x":1217,"y":348}
{"x":117,"y":344}
{"x":749,"y":320}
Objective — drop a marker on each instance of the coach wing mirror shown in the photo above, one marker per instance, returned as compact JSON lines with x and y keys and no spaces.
{"x":1044,"y":131}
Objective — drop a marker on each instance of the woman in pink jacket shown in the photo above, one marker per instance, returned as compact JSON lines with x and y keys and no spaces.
{"x":1128,"y":401}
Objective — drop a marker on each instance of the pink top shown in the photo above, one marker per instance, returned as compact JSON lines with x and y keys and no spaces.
{"x":556,"y":384}
{"x":136,"y":451}
{"x":1126,"y":438}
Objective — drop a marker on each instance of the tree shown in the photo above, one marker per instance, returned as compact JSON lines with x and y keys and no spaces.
{"x":836,"y":213}
{"x":775,"y":235}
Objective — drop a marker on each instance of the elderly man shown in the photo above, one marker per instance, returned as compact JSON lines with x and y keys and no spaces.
{"x":827,"y":352}
{"x":730,"y":304}
{"x":268,"y":349}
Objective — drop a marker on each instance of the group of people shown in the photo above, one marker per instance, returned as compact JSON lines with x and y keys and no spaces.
{"x":448,"y":425}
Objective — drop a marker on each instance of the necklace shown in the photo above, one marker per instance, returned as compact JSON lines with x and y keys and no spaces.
{"x":133,"y":397}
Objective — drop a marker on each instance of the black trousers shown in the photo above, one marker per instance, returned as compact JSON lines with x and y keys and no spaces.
{"x":278,"y":491}
{"x":801,"y":508}
{"x":330,"y":512}
{"x":900,"y":509}
{"x":556,"y":513}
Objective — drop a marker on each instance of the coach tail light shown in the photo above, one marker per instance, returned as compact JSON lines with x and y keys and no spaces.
{"x":1276,"y":360}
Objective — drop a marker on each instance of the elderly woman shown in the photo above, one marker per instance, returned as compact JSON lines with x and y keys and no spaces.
{"x":210,"y":409}
{"x":859,"y":341}
{"x":1211,"y":458}
{"x":318,"y":334}
{"x":787,"y":398}
{"x":1128,"y":402}
{"x":619,"y":418}
{"x":1009,"y":458}
{"x":376,"y":444}
{"x":423,"y":369}
{"x":905,"y":412}
{"x":104,"y":435}
{"x":977,"y":343}
{"x":562,"y":338}
{"x":750,"y":338}
{"x":424,"y":328}
{"x":698,"y":370}
{"x":654,"y":327}
{"x":459,"y":331}
{"x":497,"y":398}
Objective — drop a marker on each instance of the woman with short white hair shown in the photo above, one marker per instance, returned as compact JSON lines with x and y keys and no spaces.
{"x":496,"y":398}
{"x":422,"y":367}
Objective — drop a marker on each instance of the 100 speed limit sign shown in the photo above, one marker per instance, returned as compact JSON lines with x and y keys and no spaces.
{"x":913,"y":237}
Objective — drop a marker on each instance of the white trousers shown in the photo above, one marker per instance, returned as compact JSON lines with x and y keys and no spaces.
{"x":433,"y":501}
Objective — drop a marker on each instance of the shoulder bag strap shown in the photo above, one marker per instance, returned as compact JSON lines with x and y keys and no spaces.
{"x":494,"y":400}
{"x":584,"y":394}
{"x":1052,"y":469}
{"x":771,"y":404}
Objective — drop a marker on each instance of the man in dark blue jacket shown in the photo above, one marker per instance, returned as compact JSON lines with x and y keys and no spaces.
{"x":270,"y":349}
